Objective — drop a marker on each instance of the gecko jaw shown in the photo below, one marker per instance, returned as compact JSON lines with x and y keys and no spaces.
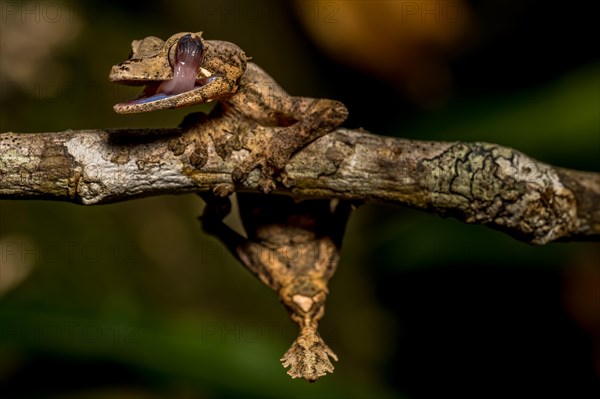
{"x":151,"y":98}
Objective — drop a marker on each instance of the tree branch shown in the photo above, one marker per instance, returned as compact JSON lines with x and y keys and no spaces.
{"x":474,"y":182}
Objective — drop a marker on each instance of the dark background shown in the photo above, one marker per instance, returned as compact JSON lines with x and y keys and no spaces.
{"x":132,"y":300}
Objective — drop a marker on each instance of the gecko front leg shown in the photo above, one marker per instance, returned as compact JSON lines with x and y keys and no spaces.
{"x":285,"y":124}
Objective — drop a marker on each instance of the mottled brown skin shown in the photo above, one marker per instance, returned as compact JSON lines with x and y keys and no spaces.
{"x":276,"y":124}
{"x":293,"y":247}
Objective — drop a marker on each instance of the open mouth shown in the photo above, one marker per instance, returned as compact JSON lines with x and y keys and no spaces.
{"x":151,"y":94}
{"x":155,"y":97}
{"x":179,"y":91}
{"x":156,"y":91}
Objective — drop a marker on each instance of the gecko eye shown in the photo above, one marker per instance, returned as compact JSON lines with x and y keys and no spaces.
{"x":188,"y":50}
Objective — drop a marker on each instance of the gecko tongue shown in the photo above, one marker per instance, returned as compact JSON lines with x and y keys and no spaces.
{"x":188,"y":59}
{"x":184,"y":79}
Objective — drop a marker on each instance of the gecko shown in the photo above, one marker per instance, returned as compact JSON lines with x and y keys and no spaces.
{"x":186,"y":69}
{"x":292,"y":247}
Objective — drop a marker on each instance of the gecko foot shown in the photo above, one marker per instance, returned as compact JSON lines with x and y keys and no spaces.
{"x":308,"y":357}
{"x":270,"y":157}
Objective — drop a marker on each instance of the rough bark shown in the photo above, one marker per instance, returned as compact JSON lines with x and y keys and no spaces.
{"x":474,"y":182}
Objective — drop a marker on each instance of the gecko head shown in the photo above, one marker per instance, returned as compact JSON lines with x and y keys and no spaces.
{"x":181,"y":71}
